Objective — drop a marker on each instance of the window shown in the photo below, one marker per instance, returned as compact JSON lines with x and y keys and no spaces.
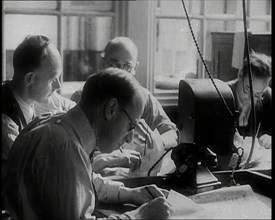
{"x":79,"y":29}
{"x":84,"y":38}
{"x":172,"y":54}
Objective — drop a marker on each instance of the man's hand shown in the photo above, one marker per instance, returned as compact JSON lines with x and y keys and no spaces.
{"x":265,"y":141}
{"x":127,"y":158}
{"x":158,"y":208}
{"x":141,"y":195}
{"x":143,"y":133}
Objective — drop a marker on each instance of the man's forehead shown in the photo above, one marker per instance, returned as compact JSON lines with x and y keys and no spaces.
{"x":120,"y":52}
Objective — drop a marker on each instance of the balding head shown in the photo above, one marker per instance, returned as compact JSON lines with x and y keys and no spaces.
{"x":113,"y":102}
{"x":121,"y":52}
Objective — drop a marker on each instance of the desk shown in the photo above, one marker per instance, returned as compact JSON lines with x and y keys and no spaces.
{"x":260,"y":182}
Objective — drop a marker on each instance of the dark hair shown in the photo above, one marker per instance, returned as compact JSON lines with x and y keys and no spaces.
{"x":260,"y":65}
{"x":28,"y":55}
{"x":109,"y":83}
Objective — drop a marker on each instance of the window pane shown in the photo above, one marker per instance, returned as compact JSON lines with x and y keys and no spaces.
{"x":230,"y":25}
{"x":215,"y":25}
{"x":196,"y":7}
{"x":239,"y":26}
{"x":84,"y":38}
{"x":17,"y":27}
{"x":259,"y":7}
{"x":88,"y":5}
{"x":258,"y":26}
{"x":231,"y":6}
{"x":215,"y":6}
{"x":173,"y":7}
{"x":176,"y":55}
{"x":31,"y":4}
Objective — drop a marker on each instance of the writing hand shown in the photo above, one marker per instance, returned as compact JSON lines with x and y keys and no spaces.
{"x":158,"y":208}
{"x":265,"y":141}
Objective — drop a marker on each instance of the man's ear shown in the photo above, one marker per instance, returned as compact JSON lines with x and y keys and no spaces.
{"x":111,"y":109}
{"x":29,"y":78}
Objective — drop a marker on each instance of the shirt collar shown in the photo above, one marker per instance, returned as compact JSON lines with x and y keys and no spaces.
{"x":82,"y":126}
{"x":28,"y":110}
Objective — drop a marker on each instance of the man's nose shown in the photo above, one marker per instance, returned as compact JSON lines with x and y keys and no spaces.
{"x":129,"y":137}
{"x":56,"y":84}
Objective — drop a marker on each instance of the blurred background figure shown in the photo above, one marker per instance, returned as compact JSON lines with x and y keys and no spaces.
{"x":261,"y":77}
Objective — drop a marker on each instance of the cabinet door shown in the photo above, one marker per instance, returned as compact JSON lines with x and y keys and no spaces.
{"x":222,"y":56}
{"x":223,"y":69}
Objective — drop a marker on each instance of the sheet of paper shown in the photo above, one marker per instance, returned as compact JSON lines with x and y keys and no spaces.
{"x":261,"y":157}
{"x":185,"y":208}
{"x":236,"y":202}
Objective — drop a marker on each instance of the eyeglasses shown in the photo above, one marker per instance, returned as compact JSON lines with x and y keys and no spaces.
{"x":125,"y":66}
{"x":133,"y":124}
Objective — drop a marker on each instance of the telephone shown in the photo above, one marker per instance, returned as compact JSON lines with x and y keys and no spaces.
{"x":192,"y":162}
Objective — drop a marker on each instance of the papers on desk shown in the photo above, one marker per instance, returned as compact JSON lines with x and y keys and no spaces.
{"x":185,"y":208}
{"x":261,"y":157}
{"x":236,"y":202}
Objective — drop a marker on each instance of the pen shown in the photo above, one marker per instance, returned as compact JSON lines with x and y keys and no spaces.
{"x":148,"y":190}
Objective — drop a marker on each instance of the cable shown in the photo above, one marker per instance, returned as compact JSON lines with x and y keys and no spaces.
{"x":201,"y":57}
{"x":249,"y":74}
{"x":152,"y":167}
{"x":251,"y":89}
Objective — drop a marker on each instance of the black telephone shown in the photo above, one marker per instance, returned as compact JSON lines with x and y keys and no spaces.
{"x":187,"y":158}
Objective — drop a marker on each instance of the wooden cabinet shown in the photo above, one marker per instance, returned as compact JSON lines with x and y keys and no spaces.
{"x":222,"y":49}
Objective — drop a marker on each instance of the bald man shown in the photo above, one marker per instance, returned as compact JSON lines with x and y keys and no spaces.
{"x":155,"y":132}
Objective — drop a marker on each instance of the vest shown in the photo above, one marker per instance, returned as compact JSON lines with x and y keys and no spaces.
{"x":10,"y":107}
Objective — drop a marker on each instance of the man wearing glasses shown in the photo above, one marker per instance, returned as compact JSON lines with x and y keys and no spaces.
{"x":261,"y":76}
{"x":50,"y":175}
{"x":154,"y":133}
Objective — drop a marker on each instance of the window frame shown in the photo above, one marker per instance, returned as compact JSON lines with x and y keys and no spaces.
{"x":148,"y":23}
{"x":118,"y":14}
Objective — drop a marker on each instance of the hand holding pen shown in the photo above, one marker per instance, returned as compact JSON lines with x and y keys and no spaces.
{"x":147,"y":193}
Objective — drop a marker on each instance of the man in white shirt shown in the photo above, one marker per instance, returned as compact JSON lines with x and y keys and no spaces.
{"x":37,"y":67}
{"x":57,"y":103}
{"x":51,"y":176}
